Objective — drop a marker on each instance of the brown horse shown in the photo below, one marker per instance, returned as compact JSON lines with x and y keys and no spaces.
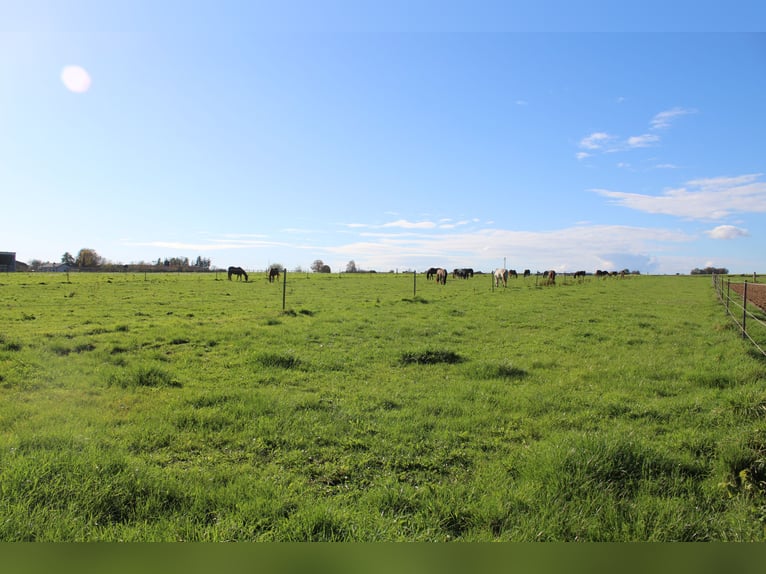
{"x":238,"y":271}
{"x":273,"y":273}
{"x":441,"y":276}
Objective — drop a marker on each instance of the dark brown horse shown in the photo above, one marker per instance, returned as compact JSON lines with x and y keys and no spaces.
{"x":238,"y":271}
{"x":273,"y":273}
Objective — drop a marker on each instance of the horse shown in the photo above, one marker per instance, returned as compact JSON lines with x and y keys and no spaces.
{"x":273,"y":272}
{"x":527,"y":273}
{"x":238,"y":271}
{"x":512,"y":273}
{"x":441,"y":276}
{"x":549,"y":277}
{"x":431,"y":272}
{"x":501,"y":275}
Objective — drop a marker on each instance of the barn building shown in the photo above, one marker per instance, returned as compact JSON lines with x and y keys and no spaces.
{"x":7,"y":261}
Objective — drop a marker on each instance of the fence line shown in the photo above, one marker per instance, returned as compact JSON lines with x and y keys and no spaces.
{"x":740,"y":302}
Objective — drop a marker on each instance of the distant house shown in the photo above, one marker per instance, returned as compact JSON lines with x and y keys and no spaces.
{"x":7,"y":261}
{"x":21,"y":266}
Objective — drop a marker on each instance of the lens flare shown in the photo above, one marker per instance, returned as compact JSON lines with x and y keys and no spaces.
{"x":76,"y":79}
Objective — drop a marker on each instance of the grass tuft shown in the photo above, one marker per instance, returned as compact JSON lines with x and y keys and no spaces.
{"x":281,"y":361}
{"x":431,"y":357}
{"x":144,"y":377}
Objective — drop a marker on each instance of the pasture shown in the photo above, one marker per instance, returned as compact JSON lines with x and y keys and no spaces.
{"x":188,"y":407}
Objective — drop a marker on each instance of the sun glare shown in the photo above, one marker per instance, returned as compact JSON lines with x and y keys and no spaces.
{"x":76,"y":79}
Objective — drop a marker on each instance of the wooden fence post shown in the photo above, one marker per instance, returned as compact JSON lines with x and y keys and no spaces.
{"x":744,"y":312}
{"x":414,"y":284}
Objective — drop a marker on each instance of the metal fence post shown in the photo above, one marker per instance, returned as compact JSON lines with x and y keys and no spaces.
{"x":284,"y":288}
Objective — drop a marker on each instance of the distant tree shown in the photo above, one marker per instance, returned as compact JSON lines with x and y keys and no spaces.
{"x":317,"y":266}
{"x":88,"y":258}
{"x":202,"y":263}
{"x":67,"y":259}
{"x":278,"y":266}
{"x":325,"y":269}
{"x":35,"y":264}
{"x":351,"y":267}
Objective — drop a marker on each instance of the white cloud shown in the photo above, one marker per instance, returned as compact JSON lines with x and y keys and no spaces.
{"x":595,"y":140}
{"x":644,"y":140}
{"x":662,"y":120}
{"x":606,"y":143}
{"x":727,"y":232}
{"x":704,"y":199}
{"x":404,"y":224}
{"x":569,"y":249}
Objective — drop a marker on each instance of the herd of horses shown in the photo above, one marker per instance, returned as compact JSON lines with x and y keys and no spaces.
{"x":273,"y":273}
{"x":500,"y":274}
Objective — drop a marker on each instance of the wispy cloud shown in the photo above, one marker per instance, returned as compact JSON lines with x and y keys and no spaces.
{"x":663,"y":119}
{"x":702,"y":199}
{"x":604,"y":142}
{"x":597,"y":140}
{"x":727,"y":232}
{"x":644,"y":140}
{"x":404,"y":224}
{"x":444,"y":223}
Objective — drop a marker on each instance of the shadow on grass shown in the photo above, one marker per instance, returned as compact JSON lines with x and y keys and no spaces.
{"x":500,"y":372}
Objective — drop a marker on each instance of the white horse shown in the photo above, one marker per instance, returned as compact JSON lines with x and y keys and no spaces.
{"x":501,"y":275}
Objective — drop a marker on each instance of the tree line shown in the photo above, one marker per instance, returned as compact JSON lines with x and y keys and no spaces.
{"x":88,"y":259}
{"x":710,"y":271}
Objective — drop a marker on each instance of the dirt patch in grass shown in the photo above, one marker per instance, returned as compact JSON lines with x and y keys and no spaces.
{"x":756,"y":293}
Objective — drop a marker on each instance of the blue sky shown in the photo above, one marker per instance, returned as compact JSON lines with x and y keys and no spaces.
{"x":399,"y":135}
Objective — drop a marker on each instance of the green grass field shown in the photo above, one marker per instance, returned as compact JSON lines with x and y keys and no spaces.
{"x":187,"y":407}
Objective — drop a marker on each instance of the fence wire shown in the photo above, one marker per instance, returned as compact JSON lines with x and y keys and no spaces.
{"x":746,"y":312}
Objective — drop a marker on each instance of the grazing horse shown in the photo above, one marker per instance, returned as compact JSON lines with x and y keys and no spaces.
{"x":550,"y":277}
{"x":512,"y":273}
{"x":527,"y":273}
{"x":238,"y":271}
{"x":462,"y":273}
{"x":273,"y":273}
{"x":431,"y":272}
{"x":501,"y":275}
{"x":441,"y":276}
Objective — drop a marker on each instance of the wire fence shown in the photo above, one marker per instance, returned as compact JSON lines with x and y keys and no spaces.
{"x":745,"y":303}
